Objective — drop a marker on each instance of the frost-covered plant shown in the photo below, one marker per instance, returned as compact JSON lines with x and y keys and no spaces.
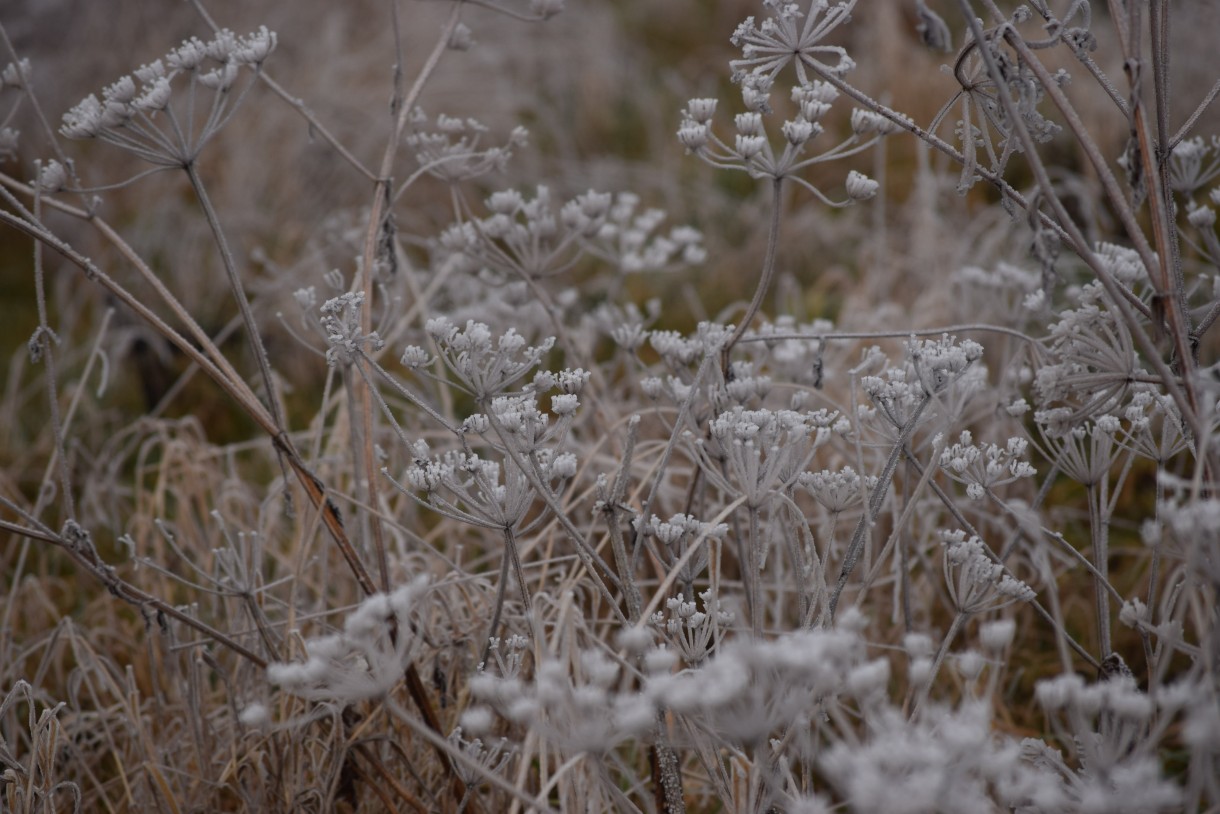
{"x":367,"y":659}
{"x":509,"y":521}
{"x":142,"y":115}
{"x":984,"y":467}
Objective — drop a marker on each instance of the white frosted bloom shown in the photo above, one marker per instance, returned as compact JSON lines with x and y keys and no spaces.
{"x":254,"y":715}
{"x":154,"y":96}
{"x":83,"y":120}
{"x":52,"y":176}
{"x":750,"y":146}
{"x":188,"y":56}
{"x":367,"y":659}
{"x":254,"y":48}
{"x":996,"y":636}
{"x":860,"y":187}
{"x":799,"y":131}
{"x":220,"y":79}
{"x":701,"y":110}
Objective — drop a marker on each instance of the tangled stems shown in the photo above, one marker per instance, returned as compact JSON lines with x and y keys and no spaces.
{"x":1184,"y":393}
{"x":875,"y":500}
{"x":374,"y":241}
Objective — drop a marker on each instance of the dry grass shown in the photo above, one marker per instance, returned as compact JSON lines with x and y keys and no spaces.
{"x":133,"y":661}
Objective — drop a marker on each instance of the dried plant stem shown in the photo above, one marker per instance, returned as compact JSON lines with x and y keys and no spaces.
{"x":43,"y":344}
{"x":955,"y":627}
{"x":86,"y":557}
{"x":231,"y":384}
{"x":764,"y":279}
{"x":1100,"y":539}
{"x":375,"y":241}
{"x":493,"y":627}
{"x":596,"y":567}
{"x":239,"y":295}
{"x":752,"y":569}
{"x":612,"y":507}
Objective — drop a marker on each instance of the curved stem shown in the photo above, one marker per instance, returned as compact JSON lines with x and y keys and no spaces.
{"x":764,"y":280}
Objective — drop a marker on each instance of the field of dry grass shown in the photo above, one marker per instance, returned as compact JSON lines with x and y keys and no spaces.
{"x":361,"y":453}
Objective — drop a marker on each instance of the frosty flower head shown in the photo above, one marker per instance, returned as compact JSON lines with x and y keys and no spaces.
{"x":681,"y":351}
{"x":693,"y":135}
{"x":1193,"y":164}
{"x":1001,"y":289}
{"x":484,"y":367}
{"x":948,"y":760}
{"x":1084,"y":450}
{"x":188,"y":56}
{"x":799,"y":131}
{"x":1202,"y":218}
{"x":678,"y":535}
{"x":940,"y":362}
{"x":764,"y":449}
{"x":155,"y":96}
{"x":694,"y":633}
{"x":1125,"y":264}
{"x":520,"y":419}
{"x":526,"y":238}
{"x":682,"y":528}
{"x":414,"y":357}
{"x":141,"y":118}
{"x":341,"y":320}
{"x":220,"y":79}
{"x":15,"y":75}
{"x":489,"y":758}
{"x":367,"y":659}
{"x":860,"y":187}
{"x":479,"y":491}
{"x":52,"y":176}
{"x":975,"y":581}
{"x":254,"y":48}
{"x":836,"y":490}
{"x":564,"y":404}
{"x":1196,"y":529}
{"x":584,"y":214}
{"x":985,"y":466}
{"x":998,"y":635}
{"x":452,"y":149}
{"x":1092,"y":362}
{"x":751,"y":151}
{"x":814,"y":98}
{"x":814,"y":101}
{"x":896,"y":398}
{"x":751,"y":687}
{"x":1107,"y":722}
{"x":579,"y":708}
{"x":701,"y":111}
{"x":629,"y":238}
{"x":867,"y":123}
{"x":8,"y":143}
{"x":789,"y":36}
{"x":743,"y":386}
